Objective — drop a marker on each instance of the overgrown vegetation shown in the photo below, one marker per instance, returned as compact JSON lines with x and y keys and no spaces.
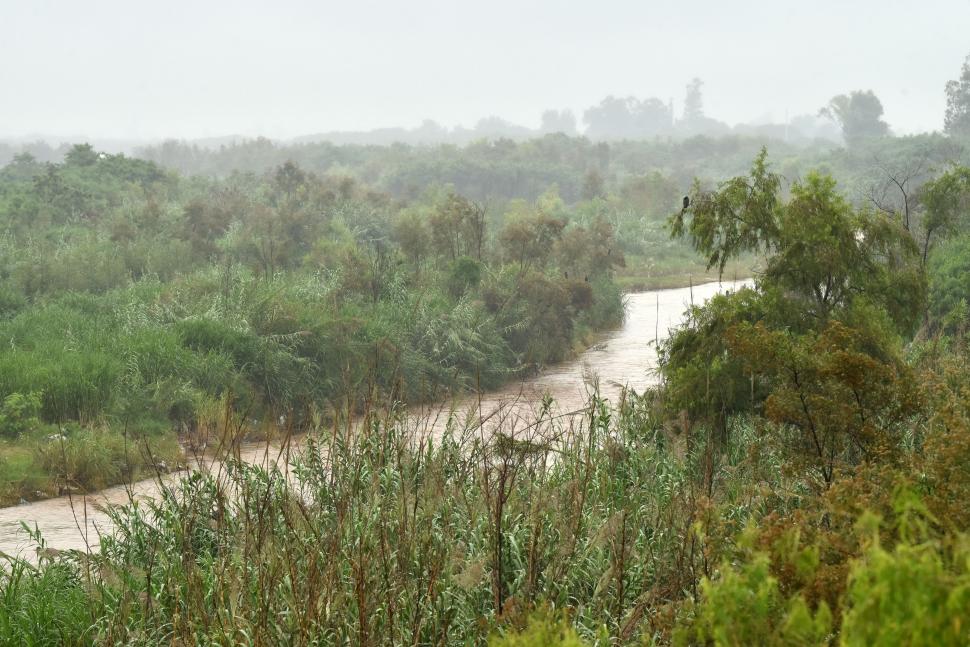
{"x":134,"y":301}
{"x":800,"y":475}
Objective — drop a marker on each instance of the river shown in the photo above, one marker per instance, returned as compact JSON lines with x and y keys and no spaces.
{"x":625,"y":357}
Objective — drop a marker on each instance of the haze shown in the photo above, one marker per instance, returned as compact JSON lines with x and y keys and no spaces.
{"x":187,"y":69}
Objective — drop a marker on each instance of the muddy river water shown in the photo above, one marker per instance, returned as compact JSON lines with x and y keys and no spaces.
{"x":625,"y":357}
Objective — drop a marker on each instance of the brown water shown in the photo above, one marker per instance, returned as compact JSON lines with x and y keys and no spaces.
{"x":623,"y":358}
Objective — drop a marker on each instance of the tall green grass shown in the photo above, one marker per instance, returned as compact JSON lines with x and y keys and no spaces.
{"x":385,"y":535}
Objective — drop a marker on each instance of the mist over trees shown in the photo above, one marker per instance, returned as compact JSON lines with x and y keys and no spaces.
{"x":859,"y":115}
{"x":614,"y":118}
{"x":558,"y":121}
{"x":628,"y":118}
{"x":956,"y":121}
{"x":783,"y":461}
{"x":850,"y":118}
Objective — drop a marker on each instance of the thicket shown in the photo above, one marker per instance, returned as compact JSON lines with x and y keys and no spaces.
{"x":133,"y":299}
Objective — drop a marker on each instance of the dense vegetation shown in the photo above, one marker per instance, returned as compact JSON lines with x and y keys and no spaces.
{"x":139,"y":303}
{"x":800,"y":475}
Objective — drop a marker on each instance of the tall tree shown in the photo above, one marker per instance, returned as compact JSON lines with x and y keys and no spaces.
{"x":815,"y":346}
{"x":558,"y":121}
{"x":694,"y":102}
{"x":956,"y":121}
{"x":627,"y":118}
{"x":859,"y":114}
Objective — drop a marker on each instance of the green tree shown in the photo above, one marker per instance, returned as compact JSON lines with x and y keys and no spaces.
{"x":956,"y":121}
{"x":838,"y":289}
{"x":841,"y":395}
{"x":458,"y":228}
{"x":946,"y":201}
{"x":949,"y":294}
{"x":81,"y":155}
{"x":816,"y":246}
{"x":859,"y":114}
{"x":528,"y":239}
{"x":412,"y":235}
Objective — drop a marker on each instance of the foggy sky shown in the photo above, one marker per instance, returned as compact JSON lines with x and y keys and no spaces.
{"x":198,"y":68}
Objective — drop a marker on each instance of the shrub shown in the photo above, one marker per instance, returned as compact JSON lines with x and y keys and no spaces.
{"x":18,"y":414}
{"x":542,"y":630}
{"x":915,"y":593}
{"x":465,"y":274}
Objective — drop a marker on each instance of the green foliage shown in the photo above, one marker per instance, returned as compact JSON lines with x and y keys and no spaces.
{"x":859,"y":114}
{"x":947,"y":203}
{"x":741,"y":216}
{"x":820,"y":332}
{"x":744,"y":606}
{"x":949,"y":292}
{"x":542,"y":630}
{"x":914,"y":593}
{"x":12,"y":301}
{"x":817,"y":247}
{"x":43,"y":607}
{"x":18,"y":414}
{"x":279,"y":566}
{"x":136,"y":304}
{"x":135,"y":296}
{"x":843,"y":392}
{"x":465,"y":274}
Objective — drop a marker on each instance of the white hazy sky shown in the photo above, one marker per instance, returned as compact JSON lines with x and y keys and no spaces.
{"x":197,"y":68}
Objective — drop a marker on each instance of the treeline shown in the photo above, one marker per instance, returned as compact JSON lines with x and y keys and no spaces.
{"x":501,"y":170}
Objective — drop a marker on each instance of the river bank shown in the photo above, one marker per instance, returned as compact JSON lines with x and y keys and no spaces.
{"x":622,"y":359}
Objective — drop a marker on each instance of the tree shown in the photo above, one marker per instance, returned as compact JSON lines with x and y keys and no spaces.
{"x":412,"y":236}
{"x":898,"y":192}
{"x":949,"y":296}
{"x":946,"y":200}
{"x":739,"y":217}
{"x":817,"y":341}
{"x":458,"y":227}
{"x":81,"y":155}
{"x":288,"y":181}
{"x":859,"y":114}
{"x":558,"y":121}
{"x":588,"y":251}
{"x":627,"y":118}
{"x":841,"y":394}
{"x":653,"y":117}
{"x":956,"y":121}
{"x":528,"y":240}
{"x":694,"y":102}
{"x":611,"y":119}
{"x":23,"y":166}
{"x":816,"y":247}
{"x":593,"y":185}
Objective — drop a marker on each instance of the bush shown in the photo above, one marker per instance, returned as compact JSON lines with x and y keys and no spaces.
{"x":18,"y":414}
{"x":465,"y":274}
{"x":93,"y":459}
{"x":744,"y":606}
{"x":915,"y":593}
{"x":542,"y":630}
